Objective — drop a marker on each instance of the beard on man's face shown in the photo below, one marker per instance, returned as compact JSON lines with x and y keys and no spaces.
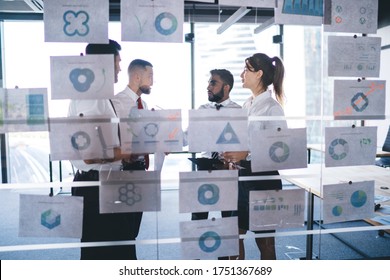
{"x":217,"y":96}
{"x":145,"y":89}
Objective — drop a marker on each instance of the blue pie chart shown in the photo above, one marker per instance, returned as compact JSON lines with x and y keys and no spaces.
{"x":358,"y":199}
{"x":337,"y":211}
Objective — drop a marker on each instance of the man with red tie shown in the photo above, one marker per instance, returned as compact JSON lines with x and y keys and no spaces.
{"x":140,"y":82}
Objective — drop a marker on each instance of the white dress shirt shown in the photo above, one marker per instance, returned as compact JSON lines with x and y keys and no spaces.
{"x":263,"y":105}
{"x":124,"y":102}
{"x":227,"y":104}
{"x":93,"y":108}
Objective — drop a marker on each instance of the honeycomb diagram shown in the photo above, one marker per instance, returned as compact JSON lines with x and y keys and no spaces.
{"x":129,"y":194}
{"x":50,"y":219}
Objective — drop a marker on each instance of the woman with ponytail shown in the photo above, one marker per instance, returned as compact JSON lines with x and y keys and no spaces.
{"x":259,"y":74}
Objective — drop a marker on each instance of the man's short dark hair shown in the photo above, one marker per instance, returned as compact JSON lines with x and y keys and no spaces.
{"x":138,"y":63}
{"x":225,"y":76}
{"x":112,"y":47}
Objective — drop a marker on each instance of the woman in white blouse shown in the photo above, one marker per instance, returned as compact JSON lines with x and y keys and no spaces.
{"x":259,"y":73}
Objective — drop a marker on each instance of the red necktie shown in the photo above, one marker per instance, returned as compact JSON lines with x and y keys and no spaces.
{"x":140,"y":106}
{"x":139,"y":103}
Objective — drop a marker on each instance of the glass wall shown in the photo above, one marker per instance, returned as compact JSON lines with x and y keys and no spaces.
{"x":29,"y":67}
{"x":309,"y":103}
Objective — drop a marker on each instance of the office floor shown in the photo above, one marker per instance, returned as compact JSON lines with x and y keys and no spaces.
{"x":340,"y":246}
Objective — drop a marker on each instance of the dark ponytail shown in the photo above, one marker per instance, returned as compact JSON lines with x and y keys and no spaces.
{"x":278,"y":79}
{"x":273,"y":72}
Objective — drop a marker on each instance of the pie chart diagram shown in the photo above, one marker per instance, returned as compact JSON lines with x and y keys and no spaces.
{"x":279,"y":152}
{"x":358,"y":199}
{"x":338,"y":149}
{"x":337,"y":211}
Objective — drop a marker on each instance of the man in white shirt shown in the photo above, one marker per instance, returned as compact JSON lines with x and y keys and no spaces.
{"x":219,"y":87}
{"x":127,"y":102}
{"x":96,"y":226}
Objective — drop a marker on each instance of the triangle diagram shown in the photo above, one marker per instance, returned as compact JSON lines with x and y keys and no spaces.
{"x":228,"y":136}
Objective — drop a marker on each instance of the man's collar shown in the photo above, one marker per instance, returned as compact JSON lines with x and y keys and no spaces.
{"x":224,"y":103}
{"x":131,"y":93}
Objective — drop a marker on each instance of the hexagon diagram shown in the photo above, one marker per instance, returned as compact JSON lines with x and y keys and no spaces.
{"x":50,"y":219}
{"x":129,"y":194}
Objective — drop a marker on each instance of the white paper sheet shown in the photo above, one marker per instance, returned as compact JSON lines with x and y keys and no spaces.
{"x":203,"y":191}
{"x":354,"y":57}
{"x":346,"y":146}
{"x":209,"y":239}
{"x":249,"y":3}
{"x":275,"y":209}
{"x":23,"y":110}
{"x":82,"y":77}
{"x":217,"y":130}
{"x":276,"y":150}
{"x":361,"y":17}
{"x":76,"y":21}
{"x":299,"y":12}
{"x":152,"y":21}
{"x":45,"y":216}
{"x":149,"y":131}
{"x":129,"y":191}
{"x":359,"y":100}
{"x":82,"y":138}
{"x":348,"y":202}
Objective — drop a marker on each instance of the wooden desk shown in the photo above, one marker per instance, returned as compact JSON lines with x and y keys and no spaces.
{"x":316,"y":175}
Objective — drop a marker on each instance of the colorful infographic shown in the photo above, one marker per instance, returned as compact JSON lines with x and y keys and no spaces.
{"x":150,"y":131}
{"x":209,"y":239}
{"x":227,"y":131}
{"x":46,"y":216}
{"x":359,"y":99}
{"x":82,"y":77}
{"x":23,"y":110}
{"x":76,"y":138}
{"x":348,"y":201}
{"x":350,"y":146}
{"x":361,"y":17}
{"x":76,"y":21}
{"x":248,"y":3}
{"x":297,"y":12}
{"x":204,"y":191}
{"x":278,"y":149}
{"x":125,"y":192}
{"x":276,"y":209}
{"x":304,"y":7}
{"x":354,"y":57}
{"x":152,"y":21}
